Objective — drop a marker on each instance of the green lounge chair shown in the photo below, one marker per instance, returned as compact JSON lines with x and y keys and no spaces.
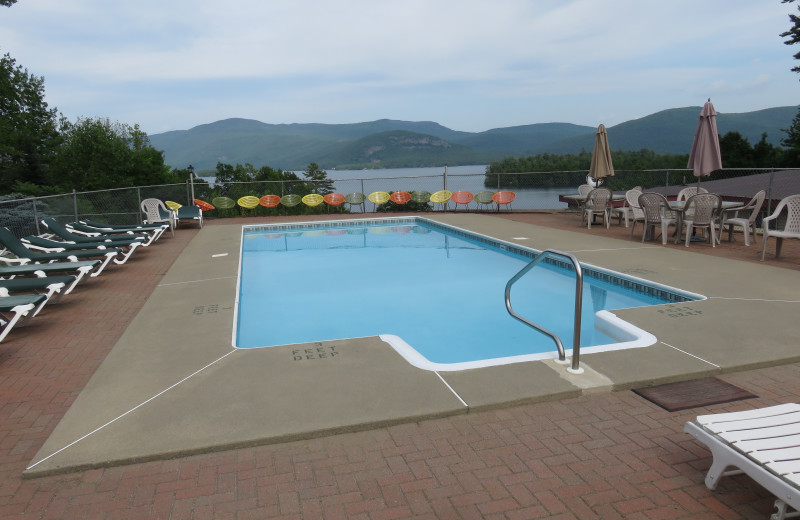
{"x":76,"y":269}
{"x":61,"y":231}
{"x":93,"y":232}
{"x":54,"y":246}
{"x":124,"y":227}
{"x":21,"y":307}
{"x":24,"y":255}
{"x":187,"y":213}
{"x":53,"y":287}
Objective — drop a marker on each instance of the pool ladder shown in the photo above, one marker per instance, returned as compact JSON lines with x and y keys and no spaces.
{"x":576,"y":344}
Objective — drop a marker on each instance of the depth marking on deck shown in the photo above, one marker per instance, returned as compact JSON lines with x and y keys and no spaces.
{"x":219,"y":255}
{"x":131,"y":410}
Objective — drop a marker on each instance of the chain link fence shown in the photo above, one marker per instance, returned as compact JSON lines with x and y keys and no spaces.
{"x":535,"y":191}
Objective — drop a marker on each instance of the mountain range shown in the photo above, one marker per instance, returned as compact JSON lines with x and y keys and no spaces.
{"x":398,"y":144}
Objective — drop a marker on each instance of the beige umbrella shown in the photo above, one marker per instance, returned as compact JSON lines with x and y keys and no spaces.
{"x":705,"y":156}
{"x":601,"y":166}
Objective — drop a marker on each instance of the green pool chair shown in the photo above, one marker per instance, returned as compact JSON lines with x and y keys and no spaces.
{"x":86,"y":236}
{"x":92,"y":232}
{"x":16,"y":310}
{"x":190,"y":213}
{"x":51,"y":287}
{"x":54,"y":246}
{"x":77,"y":269}
{"x":24,"y":255}
{"x":144,"y":229}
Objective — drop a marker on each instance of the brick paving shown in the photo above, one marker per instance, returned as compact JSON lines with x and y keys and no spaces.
{"x":605,"y":456}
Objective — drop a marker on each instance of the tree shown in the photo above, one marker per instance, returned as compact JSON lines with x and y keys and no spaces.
{"x":28,"y":127}
{"x":8,"y":3}
{"x":97,"y":154}
{"x":792,"y":139}
{"x":319,"y":178}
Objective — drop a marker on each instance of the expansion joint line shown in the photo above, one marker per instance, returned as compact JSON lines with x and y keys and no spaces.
{"x":451,"y":389}
{"x":131,"y":410}
{"x":753,"y":299}
{"x":692,"y":355}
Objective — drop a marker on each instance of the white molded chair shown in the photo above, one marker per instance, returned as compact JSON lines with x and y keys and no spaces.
{"x":598,"y":202}
{"x":748,"y":224}
{"x":685,"y":193}
{"x":626,"y":211}
{"x":700,"y":213}
{"x":156,"y":212}
{"x":656,"y":212}
{"x":791,"y":227}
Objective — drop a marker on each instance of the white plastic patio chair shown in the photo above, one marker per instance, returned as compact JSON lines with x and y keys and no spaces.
{"x":656,"y":213}
{"x":156,"y":213}
{"x":791,"y":226}
{"x":685,"y":193}
{"x":626,"y":211}
{"x":700,"y":213}
{"x":748,"y":224}
{"x":598,"y":202}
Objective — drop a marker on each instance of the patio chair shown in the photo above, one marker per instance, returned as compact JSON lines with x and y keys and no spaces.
{"x":270,"y":201}
{"x":76,"y":269}
{"x":761,"y":443}
{"x":248,"y":202}
{"x":333,"y":199}
{"x":400,"y":197}
{"x":791,"y":226}
{"x":24,"y":255}
{"x":291,"y":200}
{"x":312,"y":200}
{"x":21,"y":307}
{"x":421,"y":197}
{"x":656,"y":213}
{"x":356,"y":199}
{"x":155,"y":213}
{"x":748,"y":224}
{"x":598,"y":203}
{"x":47,"y":245}
{"x":583,"y":192}
{"x":504,"y":198}
{"x":462,"y":197}
{"x":700,"y":213}
{"x":378,"y":198}
{"x":627,"y":208}
{"x":205,"y":206}
{"x":685,"y":193}
{"x":441,"y":197}
{"x":189,"y":213}
{"x":223,"y":203}
{"x":135,"y":228}
{"x":484,"y":198}
{"x":51,"y":287}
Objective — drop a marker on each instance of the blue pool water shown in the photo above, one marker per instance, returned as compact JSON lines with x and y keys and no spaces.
{"x":435,"y":293}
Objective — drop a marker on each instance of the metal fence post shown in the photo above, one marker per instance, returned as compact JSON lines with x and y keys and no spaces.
{"x":75,"y":203}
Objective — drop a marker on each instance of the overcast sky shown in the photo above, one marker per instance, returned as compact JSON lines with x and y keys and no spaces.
{"x":471,"y":65}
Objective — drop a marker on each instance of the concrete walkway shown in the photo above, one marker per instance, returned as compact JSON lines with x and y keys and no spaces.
{"x":172,"y":386}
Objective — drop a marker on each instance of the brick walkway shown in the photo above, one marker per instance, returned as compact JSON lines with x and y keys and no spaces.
{"x":599,"y":456}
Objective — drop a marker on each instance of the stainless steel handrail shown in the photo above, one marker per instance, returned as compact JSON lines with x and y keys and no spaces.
{"x":576,"y":340}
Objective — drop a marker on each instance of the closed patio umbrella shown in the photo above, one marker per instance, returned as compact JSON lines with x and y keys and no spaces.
{"x":601,"y":166}
{"x":705,"y":156}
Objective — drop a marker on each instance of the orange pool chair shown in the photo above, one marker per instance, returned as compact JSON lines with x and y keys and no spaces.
{"x":205,"y":206}
{"x":462,"y":197}
{"x":400,"y":197}
{"x":270,"y":201}
{"x":504,"y":198}
{"x":333,"y":199}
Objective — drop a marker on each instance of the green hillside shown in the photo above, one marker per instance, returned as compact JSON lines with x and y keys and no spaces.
{"x":387,"y":143}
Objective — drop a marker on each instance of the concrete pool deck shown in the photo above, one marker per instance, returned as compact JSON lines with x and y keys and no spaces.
{"x":174,"y":386}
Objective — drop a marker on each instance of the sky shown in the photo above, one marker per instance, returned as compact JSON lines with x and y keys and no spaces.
{"x":470,"y":65}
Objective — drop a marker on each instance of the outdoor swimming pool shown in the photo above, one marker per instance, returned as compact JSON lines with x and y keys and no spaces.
{"x":434,"y":292}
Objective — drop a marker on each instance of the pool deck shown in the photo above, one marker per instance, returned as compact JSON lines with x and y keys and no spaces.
{"x":173,"y":388}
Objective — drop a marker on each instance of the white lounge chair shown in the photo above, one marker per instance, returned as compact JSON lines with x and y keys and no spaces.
{"x":763,"y":444}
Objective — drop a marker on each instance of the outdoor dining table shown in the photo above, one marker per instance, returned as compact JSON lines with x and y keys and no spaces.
{"x":679,"y":208}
